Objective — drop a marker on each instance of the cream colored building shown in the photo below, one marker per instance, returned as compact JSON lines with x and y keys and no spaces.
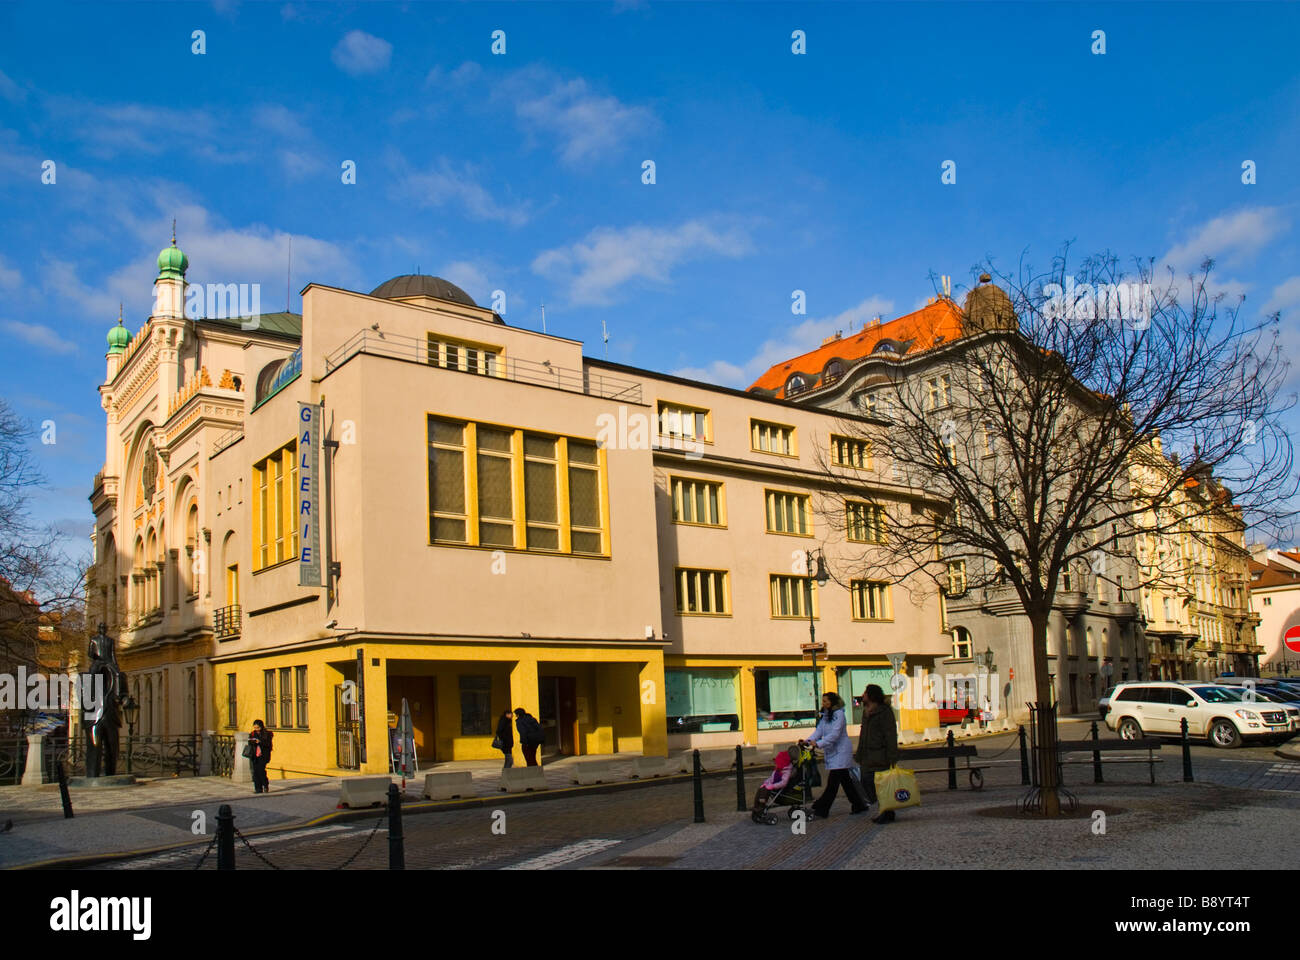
{"x":1275,"y":597}
{"x":1195,"y":579}
{"x":505,"y":523}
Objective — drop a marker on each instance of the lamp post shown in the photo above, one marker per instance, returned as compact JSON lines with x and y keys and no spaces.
{"x":819,"y":573}
{"x":130,"y":710}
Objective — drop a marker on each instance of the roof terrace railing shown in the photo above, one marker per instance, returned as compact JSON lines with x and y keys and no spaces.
{"x":481,"y":363}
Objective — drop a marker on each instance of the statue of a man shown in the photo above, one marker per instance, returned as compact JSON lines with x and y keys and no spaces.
{"x":109,"y":686}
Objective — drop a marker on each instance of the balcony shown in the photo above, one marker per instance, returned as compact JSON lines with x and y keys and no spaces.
{"x":226,"y":622}
{"x":546,"y":374}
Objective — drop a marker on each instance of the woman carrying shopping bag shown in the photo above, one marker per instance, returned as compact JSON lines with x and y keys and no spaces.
{"x":877,"y":744}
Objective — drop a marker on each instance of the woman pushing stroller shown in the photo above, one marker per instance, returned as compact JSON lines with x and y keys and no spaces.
{"x":832,"y":739}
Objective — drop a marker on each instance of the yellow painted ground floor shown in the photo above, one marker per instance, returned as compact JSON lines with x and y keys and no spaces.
{"x":333,"y":707}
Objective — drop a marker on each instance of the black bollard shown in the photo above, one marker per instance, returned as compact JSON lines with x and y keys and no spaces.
{"x":1187,"y":754}
{"x":396,"y":843}
{"x":699,"y":789}
{"x":952,"y":764}
{"x":741,"y":804}
{"x":1024,"y":758}
{"x":63,"y":791}
{"x":1096,"y":755}
{"x":225,"y":838}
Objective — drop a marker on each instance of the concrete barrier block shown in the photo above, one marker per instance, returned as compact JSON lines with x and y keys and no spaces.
{"x":908,"y":736}
{"x":651,"y":767}
{"x":448,"y":785}
{"x":593,"y":771}
{"x":363,"y":791}
{"x":720,"y":758}
{"x":933,"y":733}
{"x":522,"y":779}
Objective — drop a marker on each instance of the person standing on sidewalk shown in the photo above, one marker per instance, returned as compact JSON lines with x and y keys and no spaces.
{"x":505,"y":739}
{"x":530,"y":735}
{"x":831,"y":738}
{"x":260,"y":738}
{"x":877,"y":744}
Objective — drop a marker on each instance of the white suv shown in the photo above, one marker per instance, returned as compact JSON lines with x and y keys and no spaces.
{"x":1157,"y":707}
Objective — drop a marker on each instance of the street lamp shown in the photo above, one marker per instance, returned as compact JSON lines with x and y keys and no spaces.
{"x":130,"y":710}
{"x":819,"y":572}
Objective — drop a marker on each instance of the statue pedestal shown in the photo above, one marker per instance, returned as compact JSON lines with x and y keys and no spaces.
{"x":120,"y":780}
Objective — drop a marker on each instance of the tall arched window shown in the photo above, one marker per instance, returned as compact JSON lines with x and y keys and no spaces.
{"x":961,"y":645}
{"x":1091,"y":646}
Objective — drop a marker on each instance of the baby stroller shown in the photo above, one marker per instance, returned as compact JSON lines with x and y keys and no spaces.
{"x":797,"y":793}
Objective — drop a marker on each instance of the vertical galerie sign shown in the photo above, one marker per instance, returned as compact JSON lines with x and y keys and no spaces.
{"x":309,"y":565}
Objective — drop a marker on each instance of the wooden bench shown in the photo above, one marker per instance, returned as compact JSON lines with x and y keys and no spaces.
{"x":1098,"y":747}
{"x":974,"y":772}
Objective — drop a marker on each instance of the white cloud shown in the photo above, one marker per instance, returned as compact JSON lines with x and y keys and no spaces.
{"x":9,"y":279}
{"x":585,"y":123}
{"x":39,"y":336}
{"x":608,"y":258}
{"x":471,"y":278}
{"x":806,"y":336}
{"x":441,"y":184}
{"x":360,"y":52}
{"x":10,"y":90}
{"x":280,"y":119}
{"x":1230,"y":239}
{"x":1285,"y":299}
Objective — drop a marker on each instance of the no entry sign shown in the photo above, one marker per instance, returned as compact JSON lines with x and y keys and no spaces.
{"x":1292,"y":638}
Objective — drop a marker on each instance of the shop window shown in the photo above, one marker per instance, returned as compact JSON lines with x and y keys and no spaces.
{"x":785,"y":698}
{"x":476,"y":706}
{"x":702,"y":701}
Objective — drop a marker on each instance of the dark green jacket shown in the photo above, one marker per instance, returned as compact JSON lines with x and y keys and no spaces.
{"x":878,"y":741}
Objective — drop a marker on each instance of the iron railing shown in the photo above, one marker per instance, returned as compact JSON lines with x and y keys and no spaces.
{"x":544,"y":373}
{"x":223,"y":755}
{"x":152,"y":756}
{"x":226,"y":622}
{"x":226,"y":439}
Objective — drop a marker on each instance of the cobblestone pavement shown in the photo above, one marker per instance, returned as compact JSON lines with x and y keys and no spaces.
{"x":1170,"y":824}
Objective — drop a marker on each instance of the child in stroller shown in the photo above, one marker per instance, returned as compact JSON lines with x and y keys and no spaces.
{"x":787,"y":786}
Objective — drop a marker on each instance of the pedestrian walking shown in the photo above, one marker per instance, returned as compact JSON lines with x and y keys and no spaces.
{"x":530,"y":735}
{"x":832,"y":740}
{"x":260,"y":739}
{"x":877,"y":744}
{"x":505,"y":739}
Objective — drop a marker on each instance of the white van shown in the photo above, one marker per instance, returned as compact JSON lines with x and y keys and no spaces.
{"x":1157,"y":708}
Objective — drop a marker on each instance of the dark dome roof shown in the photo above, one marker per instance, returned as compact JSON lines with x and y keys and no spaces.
{"x":420,"y":285}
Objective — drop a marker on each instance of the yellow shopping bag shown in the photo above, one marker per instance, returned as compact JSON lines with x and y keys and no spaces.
{"x":896,"y":788}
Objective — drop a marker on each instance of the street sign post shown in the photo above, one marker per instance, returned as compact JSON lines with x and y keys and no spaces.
{"x":1292,"y":638}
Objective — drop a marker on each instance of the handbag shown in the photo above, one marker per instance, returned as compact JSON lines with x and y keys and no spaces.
{"x":896,"y":788}
{"x":496,"y":743}
{"x":248,"y":750}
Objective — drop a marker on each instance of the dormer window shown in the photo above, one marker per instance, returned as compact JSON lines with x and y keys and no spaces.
{"x":834,"y":370}
{"x":796,"y":384}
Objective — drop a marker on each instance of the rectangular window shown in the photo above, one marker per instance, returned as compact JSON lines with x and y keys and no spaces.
{"x":697,"y":501}
{"x":232,"y":584}
{"x":772,"y":437}
{"x":232,"y":712}
{"x":702,"y":701}
{"x":871,"y":600}
{"x":956,"y":578}
{"x":702,"y":591}
{"x":300,"y":686}
{"x":865,"y":522}
{"x":790,"y":596}
{"x":523,"y":491}
{"x":462,"y":355}
{"x":586,"y":532}
{"x":268,"y":683}
{"x":788,"y":513}
{"x":476,"y":706}
{"x":496,"y":524}
{"x":286,"y":696}
{"x":688,"y":423}
{"x":938,"y":392}
{"x":274,"y":481}
{"x":961,"y":644}
{"x":541,"y":496}
{"x":848,"y":452}
{"x":785,"y":698}
{"x":448,"y":518}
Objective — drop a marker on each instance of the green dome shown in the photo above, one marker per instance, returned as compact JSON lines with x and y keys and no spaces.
{"x":172,"y":263}
{"x":118,"y":337}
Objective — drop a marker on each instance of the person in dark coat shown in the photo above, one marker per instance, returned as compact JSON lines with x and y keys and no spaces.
{"x":260,"y":738}
{"x":530,"y":735}
{"x":505,"y":739}
{"x":877,"y":744}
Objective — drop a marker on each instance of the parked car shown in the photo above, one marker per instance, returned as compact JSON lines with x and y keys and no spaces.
{"x":1103,"y":704}
{"x":1217,"y":713}
{"x":1282,"y":695}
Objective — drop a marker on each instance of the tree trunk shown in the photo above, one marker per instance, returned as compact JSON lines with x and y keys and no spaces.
{"x":1047,"y":751}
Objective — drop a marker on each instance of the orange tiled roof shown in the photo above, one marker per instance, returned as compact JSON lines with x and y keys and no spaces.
{"x":1263,"y":576}
{"x":917,"y":331}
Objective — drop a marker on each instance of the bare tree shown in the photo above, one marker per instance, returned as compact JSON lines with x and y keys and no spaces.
{"x":1052,"y":428}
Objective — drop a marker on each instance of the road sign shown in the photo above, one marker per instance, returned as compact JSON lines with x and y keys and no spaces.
{"x":896,"y":660}
{"x":818,"y":647}
{"x":1292,"y":638}
{"x":1107,"y":669}
{"x":1011,"y":674}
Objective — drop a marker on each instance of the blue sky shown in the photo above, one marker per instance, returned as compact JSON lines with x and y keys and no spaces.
{"x":523,"y":172}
